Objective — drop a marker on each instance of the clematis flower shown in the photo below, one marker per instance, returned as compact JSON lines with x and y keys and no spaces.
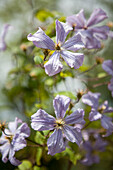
{"x":93,"y":147}
{"x":61,"y":125}
{"x":61,"y":48}
{"x":2,"y":37}
{"x":12,"y":140}
{"x":108,"y":67}
{"x":91,"y":34}
{"x":97,"y":112}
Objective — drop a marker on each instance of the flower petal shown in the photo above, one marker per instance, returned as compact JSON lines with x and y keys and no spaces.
{"x":24,"y":130}
{"x":55,"y":142}
{"x":73,"y":59}
{"x":100,"y":32}
{"x":61,"y":104}
{"x":2,"y":38}
{"x":91,"y":99}
{"x":108,"y":66}
{"x":75,"y":118}
{"x":13,"y":125}
{"x":60,"y":32}
{"x":41,"y":40}
{"x":107,"y":123}
{"x":97,"y":16}
{"x":12,"y":159}
{"x":72,"y":134}
{"x":42,"y":121}
{"x":75,"y":43}
{"x":105,"y":107}
{"x":77,"y":20}
{"x":4,"y":149}
{"x":53,"y":66}
{"x":94,"y":115}
{"x":110,"y":86}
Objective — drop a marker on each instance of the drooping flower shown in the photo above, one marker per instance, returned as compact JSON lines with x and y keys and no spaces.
{"x":98,"y":112}
{"x":62,"y":48}
{"x":93,"y":144}
{"x":108,"y":67}
{"x":2,"y":37}
{"x":12,"y":140}
{"x":61,"y":125}
{"x":91,"y":34}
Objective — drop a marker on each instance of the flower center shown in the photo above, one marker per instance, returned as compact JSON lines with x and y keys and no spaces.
{"x":85,"y":28}
{"x":59,"y":123}
{"x":9,"y":138}
{"x":58,"y":46}
{"x":102,"y":109}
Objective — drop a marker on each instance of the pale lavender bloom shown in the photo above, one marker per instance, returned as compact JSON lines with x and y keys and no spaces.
{"x":92,"y":147}
{"x":108,"y":67}
{"x":61,"y":125}
{"x":12,"y":140}
{"x":97,"y":112}
{"x":2,"y":37}
{"x":54,"y":66}
{"x":91,"y":34}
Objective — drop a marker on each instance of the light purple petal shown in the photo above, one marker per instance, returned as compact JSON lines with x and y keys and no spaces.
{"x":97,"y":16}
{"x":75,"y":43}
{"x":61,"y":104}
{"x":100,"y":144}
{"x":55,"y":142}
{"x":91,"y":99}
{"x":77,"y":20}
{"x":2,"y":37}
{"x":42,"y":121}
{"x":110,"y":34}
{"x":4,"y":149}
{"x":90,"y":159}
{"x":90,"y":41}
{"x":67,"y":28}
{"x":106,"y":122}
{"x":13,"y":125}
{"x":100,"y":32}
{"x":60,"y":32}
{"x":110,"y":85}
{"x":73,"y":59}
{"x":18,"y":142}
{"x":108,"y":66}
{"x":94,"y":115}
{"x":75,"y":118}
{"x":53,"y":66}
{"x":72,"y":134}
{"x":12,"y":159}
{"x":24,"y":130}
{"x":41,"y":40}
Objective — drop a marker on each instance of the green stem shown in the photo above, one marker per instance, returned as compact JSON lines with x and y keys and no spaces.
{"x":86,"y":125}
{"x":34,"y":142}
{"x":88,"y":69}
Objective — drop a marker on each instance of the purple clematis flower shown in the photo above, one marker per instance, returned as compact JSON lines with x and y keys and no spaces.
{"x":97,"y":112}
{"x":91,"y":35}
{"x":2,"y":37}
{"x":93,"y":147}
{"x":62,"y":48}
{"x":12,"y":140}
{"x":108,"y":67}
{"x":61,"y":125}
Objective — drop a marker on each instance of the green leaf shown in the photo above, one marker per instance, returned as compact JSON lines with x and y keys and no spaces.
{"x":84,"y":68}
{"x":65,"y":93}
{"x":26,"y":165}
{"x":38,"y":156}
{"x":43,"y":15}
{"x":38,"y":60}
{"x":39,"y":138}
{"x":100,"y":75}
{"x":49,"y":82}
